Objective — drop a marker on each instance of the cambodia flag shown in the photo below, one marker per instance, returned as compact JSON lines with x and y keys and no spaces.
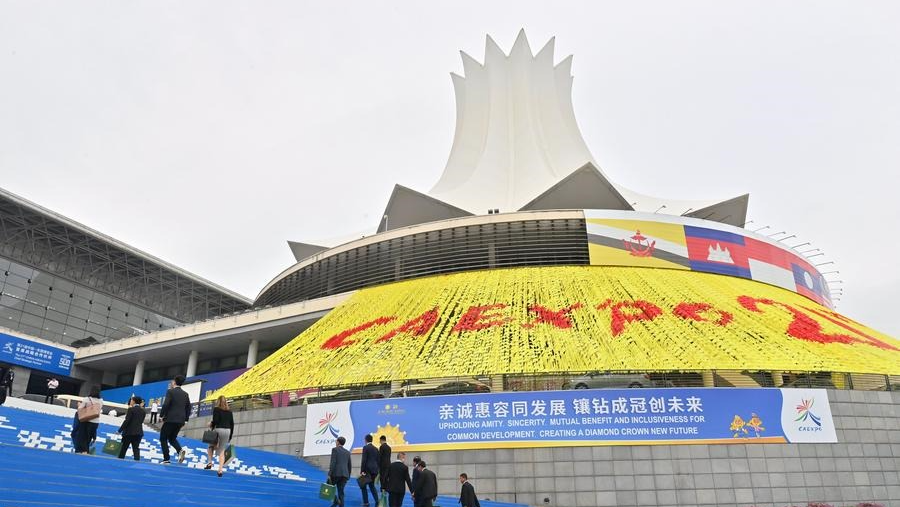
{"x":716,"y":251}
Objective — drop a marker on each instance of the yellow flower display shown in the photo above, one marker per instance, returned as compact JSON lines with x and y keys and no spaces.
{"x":568,"y":319}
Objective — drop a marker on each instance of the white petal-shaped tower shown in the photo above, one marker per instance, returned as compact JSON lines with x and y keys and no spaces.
{"x":516,"y":136}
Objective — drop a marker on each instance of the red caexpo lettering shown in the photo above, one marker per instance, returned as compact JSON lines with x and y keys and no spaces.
{"x":643,"y":311}
{"x":696,"y":311}
{"x":845,"y":323}
{"x":481,"y":317}
{"x":340,"y":339}
{"x":802,"y":326}
{"x":417,"y":327}
{"x":559,"y":318}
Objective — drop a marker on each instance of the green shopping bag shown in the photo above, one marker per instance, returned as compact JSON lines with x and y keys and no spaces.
{"x":112,"y":447}
{"x":230,"y":453}
{"x":383,"y":502}
{"x":326,"y":491}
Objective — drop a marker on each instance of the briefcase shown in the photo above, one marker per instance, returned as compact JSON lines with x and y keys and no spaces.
{"x":210,"y":437}
{"x":112,"y":447}
{"x":363,"y":480}
{"x":326,"y":491}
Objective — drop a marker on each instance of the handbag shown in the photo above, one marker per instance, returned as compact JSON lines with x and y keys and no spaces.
{"x":89,"y":412}
{"x":210,"y":437}
{"x":112,"y":447}
{"x":326,"y":491}
{"x":363,"y":480}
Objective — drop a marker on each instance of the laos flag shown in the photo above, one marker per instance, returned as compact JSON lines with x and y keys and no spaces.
{"x":716,"y":251}
{"x":808,"y":281}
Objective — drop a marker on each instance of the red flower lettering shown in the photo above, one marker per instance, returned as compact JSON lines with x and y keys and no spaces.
{"x":417,"y":326}
{"x":646,"y":311}
{"x":802,"y":326}
{"x":693,"y":311}
{"x":479,"y":317}
{"x":559,"y":318}
{"x":844,"y":322}
{"x":340,"y":339}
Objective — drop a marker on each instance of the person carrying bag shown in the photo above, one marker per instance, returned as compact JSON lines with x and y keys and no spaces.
{"x":221,"y":429}
{"x":132,"y":429}
{"x":87,"y":414}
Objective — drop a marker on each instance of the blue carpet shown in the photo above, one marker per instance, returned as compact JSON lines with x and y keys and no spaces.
{"x":39,"y":468}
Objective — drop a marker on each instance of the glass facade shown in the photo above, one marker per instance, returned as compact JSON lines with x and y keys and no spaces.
{"x":47,"y":306}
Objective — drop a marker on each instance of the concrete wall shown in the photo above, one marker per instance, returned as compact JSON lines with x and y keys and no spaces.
{"x":863,"y":466}
{"x":272,"y":429}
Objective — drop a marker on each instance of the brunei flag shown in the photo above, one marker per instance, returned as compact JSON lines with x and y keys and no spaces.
{"x":637,"y":243}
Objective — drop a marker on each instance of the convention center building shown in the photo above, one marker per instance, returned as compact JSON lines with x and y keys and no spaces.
{"x":560,"y":338}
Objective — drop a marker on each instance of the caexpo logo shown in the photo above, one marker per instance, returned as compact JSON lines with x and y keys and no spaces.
{"x":806,"y":419}
{"x":391,"y":409}
{"x":327,"y":427}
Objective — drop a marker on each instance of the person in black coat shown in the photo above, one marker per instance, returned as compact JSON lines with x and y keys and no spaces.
{"x":426,"y":488}
{"x":132,"y":428}
{"x":369,"y":468}
{"x":384,"y":460}
{"x":467,"y":496}
{"x":415,"y":478}
{"x":176,"y":410}
{"x":398,"y":481}
{"x":3,"y":371}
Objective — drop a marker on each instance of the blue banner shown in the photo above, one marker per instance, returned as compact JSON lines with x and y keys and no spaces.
{"x":576,"y":418}
{"x":35,"y":355}
{"x":156,"y":391}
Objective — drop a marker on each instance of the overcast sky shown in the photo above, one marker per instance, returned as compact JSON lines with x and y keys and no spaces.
{"x":209,"y":133}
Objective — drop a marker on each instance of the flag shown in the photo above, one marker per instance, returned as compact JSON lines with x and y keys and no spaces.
{"x":769,"y":263}
{"x":716,"y":251}
{"x":808,"y":281}
{"x":637,"y":243}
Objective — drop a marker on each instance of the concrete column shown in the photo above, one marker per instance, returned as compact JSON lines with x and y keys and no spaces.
{"x":192,"y":364}
{"x":497,"y":384}
{"x":777,"y":378}
{"x":709,"y":379}
{"x":252,"y":352}
{"x":139,"y":373}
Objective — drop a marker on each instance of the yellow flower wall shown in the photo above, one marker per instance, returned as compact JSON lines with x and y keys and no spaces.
{"x":561,"y":319}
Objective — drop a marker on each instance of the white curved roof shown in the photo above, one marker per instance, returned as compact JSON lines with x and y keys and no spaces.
{"x":516,"y":134}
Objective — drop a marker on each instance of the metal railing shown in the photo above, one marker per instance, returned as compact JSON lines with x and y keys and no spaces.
{"x":580,"y":380}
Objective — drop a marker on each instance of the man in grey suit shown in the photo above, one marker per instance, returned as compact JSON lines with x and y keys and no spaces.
{"x":339,"y":470}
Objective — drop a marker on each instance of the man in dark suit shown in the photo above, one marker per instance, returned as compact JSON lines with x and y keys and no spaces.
{"x":132,"y":428}
{"x":176,"y":410}
{"x":415,"y":478}
{"x":398,"y":480}
{"x":384,"y":460}
{"x":369,"y":468}
{"x":339,"y":470}
{"x":467,"y":494}
{"x":426,"y":488}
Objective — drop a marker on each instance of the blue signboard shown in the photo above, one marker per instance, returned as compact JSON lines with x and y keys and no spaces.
{"x":35,"y":355}
{"x":156,"y":391}
{"x":576,"y":418}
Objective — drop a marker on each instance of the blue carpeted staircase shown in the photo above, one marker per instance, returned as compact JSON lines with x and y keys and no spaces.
{"x":38,"y":468}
